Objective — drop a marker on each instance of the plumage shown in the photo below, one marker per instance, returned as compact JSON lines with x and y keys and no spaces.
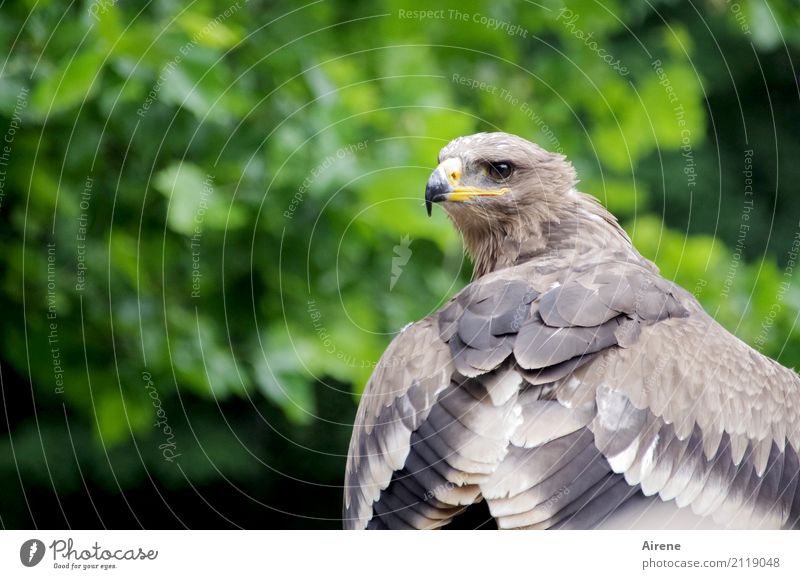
{"x":569,"y":385}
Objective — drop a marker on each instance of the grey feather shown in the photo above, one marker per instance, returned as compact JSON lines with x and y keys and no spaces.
{"x":569,"y":363}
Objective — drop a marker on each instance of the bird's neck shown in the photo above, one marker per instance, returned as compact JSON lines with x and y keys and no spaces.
{"x":579,"y":225}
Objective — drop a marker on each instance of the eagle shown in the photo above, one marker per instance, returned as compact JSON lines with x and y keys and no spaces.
{"x":569,"y":385}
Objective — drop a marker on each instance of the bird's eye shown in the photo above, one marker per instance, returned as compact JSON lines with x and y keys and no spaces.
{"x":500,"y":171}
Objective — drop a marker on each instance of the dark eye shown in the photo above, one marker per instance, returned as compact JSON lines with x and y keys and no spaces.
{"x":500,"y":171}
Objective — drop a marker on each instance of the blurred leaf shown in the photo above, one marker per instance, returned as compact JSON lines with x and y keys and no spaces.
{"x":211,"y":32}
{"x":74,"y":82}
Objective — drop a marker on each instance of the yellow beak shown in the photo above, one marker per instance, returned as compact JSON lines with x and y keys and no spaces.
{"x":444,"y":185}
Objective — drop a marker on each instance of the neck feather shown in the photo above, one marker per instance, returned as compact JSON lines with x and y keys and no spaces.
{"x":577,"y":224}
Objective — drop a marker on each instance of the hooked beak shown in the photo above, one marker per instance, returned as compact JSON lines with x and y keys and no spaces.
{"x":444,"y":185}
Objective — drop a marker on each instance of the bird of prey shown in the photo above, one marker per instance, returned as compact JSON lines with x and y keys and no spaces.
{"x":569,"y":385}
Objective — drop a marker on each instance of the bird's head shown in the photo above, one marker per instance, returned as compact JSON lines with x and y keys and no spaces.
{"x":505,"y":195}
{"x":495,"y":177}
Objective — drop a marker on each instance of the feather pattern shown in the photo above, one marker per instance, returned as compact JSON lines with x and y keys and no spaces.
{"x":570,"y":386}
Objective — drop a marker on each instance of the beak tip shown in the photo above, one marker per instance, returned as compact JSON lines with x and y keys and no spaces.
{"x":436,"y":190}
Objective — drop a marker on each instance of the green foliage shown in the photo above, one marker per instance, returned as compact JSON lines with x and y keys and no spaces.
{"x":239,"y":179}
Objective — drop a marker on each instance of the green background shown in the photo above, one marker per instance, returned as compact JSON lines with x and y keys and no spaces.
{"x":250,"y":174}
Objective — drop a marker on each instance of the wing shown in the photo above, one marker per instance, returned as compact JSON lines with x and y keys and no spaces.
{"x":426,"y":435}
{"x":558,"y":394}
{"x":414,"y":369}
{"x":681,"y":408}
{"x":693,"y":414}
{"x":555,"y":476}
